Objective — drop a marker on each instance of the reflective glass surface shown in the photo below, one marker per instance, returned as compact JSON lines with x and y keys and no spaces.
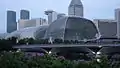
{"x":72,"y":28}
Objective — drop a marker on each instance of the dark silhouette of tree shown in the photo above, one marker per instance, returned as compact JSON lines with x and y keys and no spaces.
{"x":5,"y":44}
{"x":58,"y":41}
{"x":22,"y":41}
{"x":67,"y":42}
{"x":31,"y":41}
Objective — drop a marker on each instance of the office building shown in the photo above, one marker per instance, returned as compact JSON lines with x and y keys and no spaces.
{"x":24,"y":14}
{"x":11,"y":21}
{"x":117,"y":18}
{"x":107,"y":28}
{"x":76,"y":8}
{"x":52,"y":16}
{"x":23,"y":23}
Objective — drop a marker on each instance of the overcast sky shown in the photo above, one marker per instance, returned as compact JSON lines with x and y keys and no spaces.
{"x":92,"y":8}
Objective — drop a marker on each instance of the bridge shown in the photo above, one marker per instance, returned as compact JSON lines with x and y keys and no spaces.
{"x":63,"y":45}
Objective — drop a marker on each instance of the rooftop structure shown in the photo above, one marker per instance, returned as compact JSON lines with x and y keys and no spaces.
{"x":72,"y":28}
{"x":30,"y":32}
{"x":52,"y":16}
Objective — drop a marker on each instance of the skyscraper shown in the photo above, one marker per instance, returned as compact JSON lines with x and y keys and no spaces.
{"x":75,"y":8}
{"x":24,"y":14}
{"x":11,"y":21}
{"x":52,"y":16}
{"x":117,"y":18}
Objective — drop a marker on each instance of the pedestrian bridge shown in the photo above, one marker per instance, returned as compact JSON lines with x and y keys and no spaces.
{"x":63,"y":45}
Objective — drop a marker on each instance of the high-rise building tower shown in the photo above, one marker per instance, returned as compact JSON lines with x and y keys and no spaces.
{"x":117,"y":18}
{"x":52,"y":16}
{"x":11,"y":21}
{"x":24,"y":14}
{"x":75,"y":8}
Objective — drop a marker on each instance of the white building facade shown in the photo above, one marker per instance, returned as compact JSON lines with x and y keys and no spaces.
{"x":31,"y":23}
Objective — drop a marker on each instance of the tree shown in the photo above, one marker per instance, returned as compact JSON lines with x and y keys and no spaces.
{"x":67,"y":42}
{"x":12,"y":40}
{"x":58,"y":41}
{"x":31,"y":41}
{"x":5,"y":45}
{"x":22,"y":41}
{"x":12,"y":60}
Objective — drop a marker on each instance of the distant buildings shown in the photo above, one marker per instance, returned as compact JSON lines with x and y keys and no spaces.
{"x":11,"y":21}
{"x":24,"y":23}
{"x":106,"y":27}
{"x":117,"y":18}
{"x":52,"y":16}
{"x":75,"y":8}
{"x":66,"y":28}
{"x":24,"y":14}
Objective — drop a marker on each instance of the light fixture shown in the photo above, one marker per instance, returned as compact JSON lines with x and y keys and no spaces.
{"x":98,"y":53}
{"x":49,"y":52}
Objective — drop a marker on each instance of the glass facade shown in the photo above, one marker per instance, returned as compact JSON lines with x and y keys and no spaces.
{"x":72,"y":28}
{"x":31,"y":32}
{"x":40,"y":32}
{"x":66,"y":28}
{"x":24,"y":14}
{"x":11,"y":21}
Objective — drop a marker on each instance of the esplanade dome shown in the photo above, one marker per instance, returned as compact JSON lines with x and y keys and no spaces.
{"x":72,"y":28}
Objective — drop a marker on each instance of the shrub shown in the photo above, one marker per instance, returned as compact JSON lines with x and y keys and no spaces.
{"x":18,"y":60}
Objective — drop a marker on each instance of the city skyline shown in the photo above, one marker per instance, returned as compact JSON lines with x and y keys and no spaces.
{"x":93,"y":9}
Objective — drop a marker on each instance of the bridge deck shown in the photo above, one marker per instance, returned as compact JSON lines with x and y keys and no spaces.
{"x":64,"y":45}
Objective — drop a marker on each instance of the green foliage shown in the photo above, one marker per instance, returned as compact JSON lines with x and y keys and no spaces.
{"x":31,"y":41}
{"x":12,"y":60}
{"x":41,"y":41}
{"x":18,"y":60}
{"x":5,"y":44}
{"x":22,"y":41}
{"x":58,"y":41}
